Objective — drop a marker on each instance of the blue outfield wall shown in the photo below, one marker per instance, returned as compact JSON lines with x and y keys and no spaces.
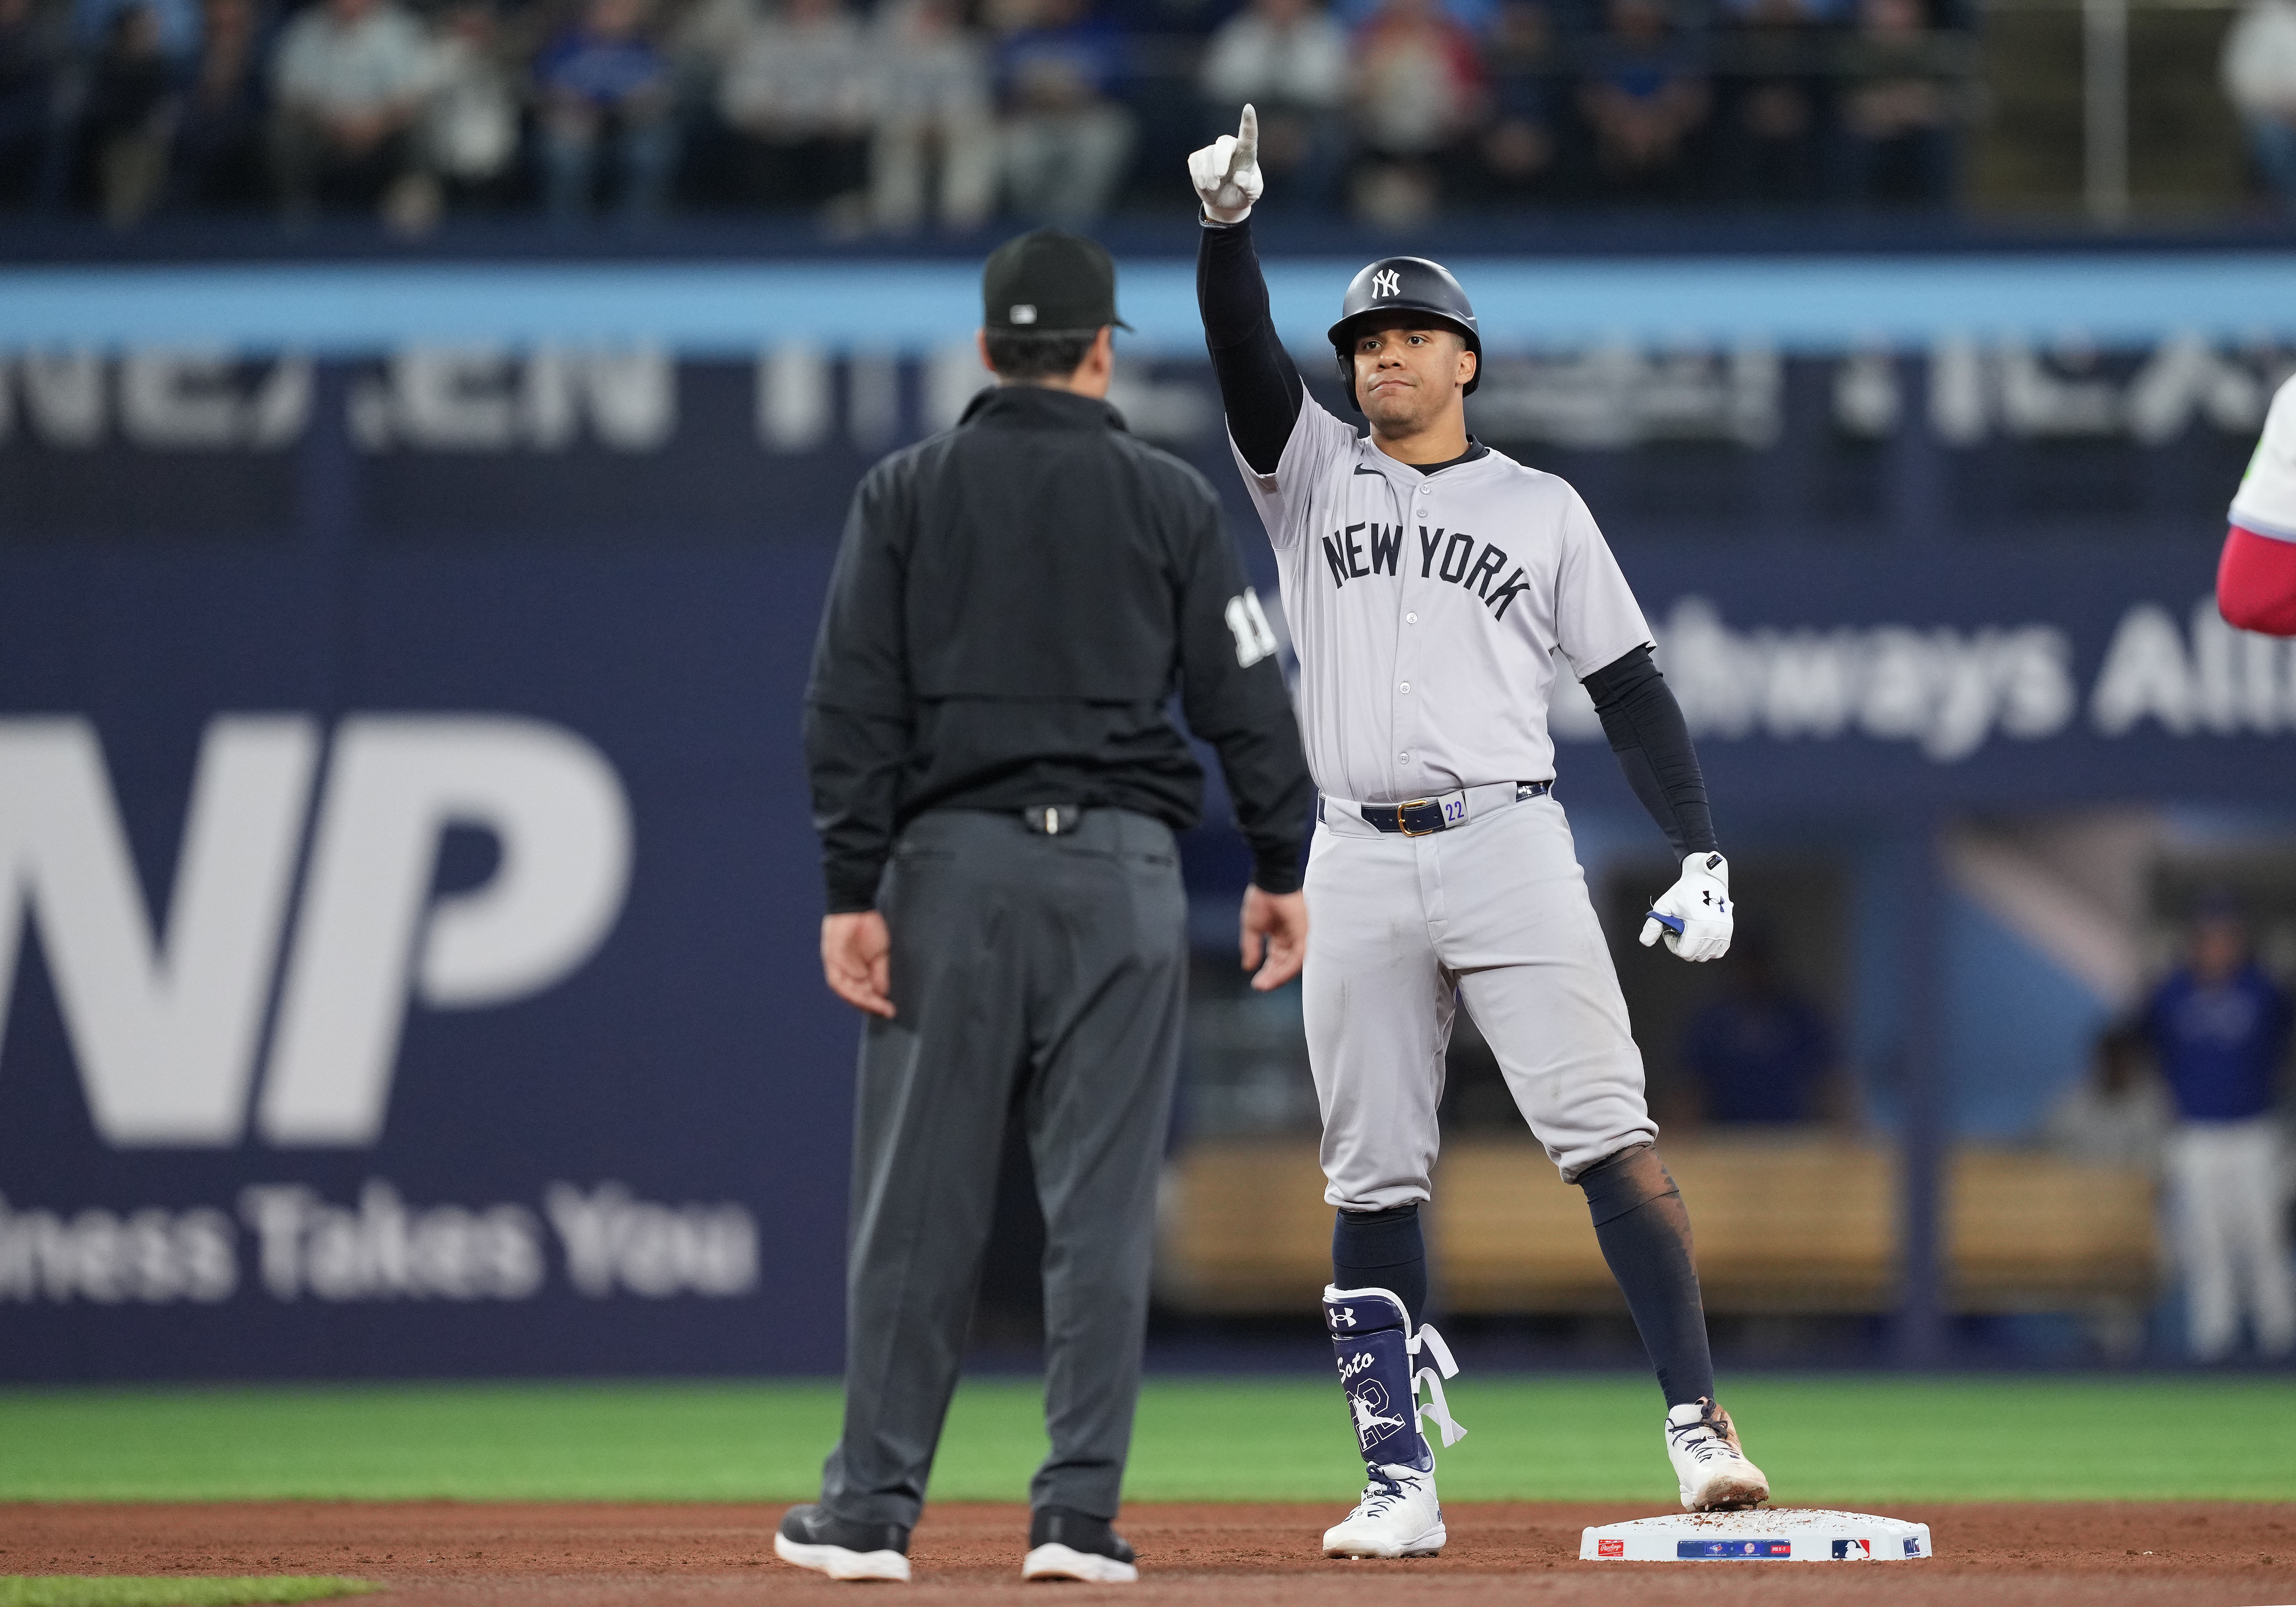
{"x":410,"y":946}
{"x":631,"y":1160}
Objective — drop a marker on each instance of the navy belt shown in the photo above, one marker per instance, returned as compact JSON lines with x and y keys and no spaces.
{"x":1424,"y":816}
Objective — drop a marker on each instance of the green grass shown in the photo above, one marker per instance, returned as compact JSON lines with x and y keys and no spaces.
{"x":1572,"y":1438}
{"x":130,"y":1590}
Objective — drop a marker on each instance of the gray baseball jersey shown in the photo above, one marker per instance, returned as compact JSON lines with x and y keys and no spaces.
{"x":1427,"y":610}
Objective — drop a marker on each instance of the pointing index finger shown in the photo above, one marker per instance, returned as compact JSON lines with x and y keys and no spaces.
{"x":1247,"y":142}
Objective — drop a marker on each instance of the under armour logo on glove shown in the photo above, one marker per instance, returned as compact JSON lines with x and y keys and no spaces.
{"x":1694,"y":915}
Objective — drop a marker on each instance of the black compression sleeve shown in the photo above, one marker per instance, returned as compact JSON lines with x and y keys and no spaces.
{"x":1648,"y":733}
{"x":1259,"y":385}
{"x":1382,"y":1249}
{"x":1644,"y":1235}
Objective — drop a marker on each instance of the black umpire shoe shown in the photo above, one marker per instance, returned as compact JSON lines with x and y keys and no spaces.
{"x":1065,"y":1544}
{"x":813,"y":1538}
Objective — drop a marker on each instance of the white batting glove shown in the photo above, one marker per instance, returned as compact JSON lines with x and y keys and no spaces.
{"x":1694,"y":913}
{"x":1226,"y":172}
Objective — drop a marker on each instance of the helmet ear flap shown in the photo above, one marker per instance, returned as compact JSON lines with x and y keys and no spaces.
{"x":1346,"y":363}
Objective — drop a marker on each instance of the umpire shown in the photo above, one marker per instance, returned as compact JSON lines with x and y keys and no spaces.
{"x":996,"y":782}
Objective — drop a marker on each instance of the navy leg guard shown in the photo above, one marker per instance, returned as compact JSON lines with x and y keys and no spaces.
{"x":1376,"y":1348}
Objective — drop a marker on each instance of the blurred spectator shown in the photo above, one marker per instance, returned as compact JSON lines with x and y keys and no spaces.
{"x":2219,"y":1028}
{"x":1644,"y":98}
{"x":219,"y":138}
{"x":347,"y":84}
{"x":1067,"y":141}
{"x":1763,"y":1052}
{"x":601,"y":82}
{"x":797,"y":94}
{"x":29,"y":54}
{"x":1902,"y":107}
{"x":1476,"y":16}
{"x":469,"y":122}
{"x":2258,"y":70}
{"x":1775,"y":113}
{"x":129,"y":117}
{"x":94,"y":26}
{"x":2116,"y":1116}
{"x":1419,"y":92}
{"x":1288,"y":59}
{"x":704,"y":35}
{"x":1521,"y":146}
{"x":698,"y":38}
{"x":935,"y":119}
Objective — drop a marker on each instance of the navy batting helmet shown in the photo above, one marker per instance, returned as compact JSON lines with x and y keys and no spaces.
{"x":1404,"y":284}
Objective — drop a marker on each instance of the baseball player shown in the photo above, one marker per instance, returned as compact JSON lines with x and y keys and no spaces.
{"x":2256,"y":578}
{"x":1432,"y":586}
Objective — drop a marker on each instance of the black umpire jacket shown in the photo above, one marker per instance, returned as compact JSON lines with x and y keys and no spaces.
{"x":1015,"y":604}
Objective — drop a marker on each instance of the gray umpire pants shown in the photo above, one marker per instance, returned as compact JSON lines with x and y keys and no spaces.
{"x":1049,"y":971}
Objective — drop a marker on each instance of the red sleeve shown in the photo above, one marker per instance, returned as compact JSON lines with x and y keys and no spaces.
{"x":2256,"y":582}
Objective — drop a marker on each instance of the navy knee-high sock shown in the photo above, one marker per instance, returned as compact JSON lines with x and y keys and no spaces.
{"x":1644,"y":1232}
{"x":1382,"y":1249}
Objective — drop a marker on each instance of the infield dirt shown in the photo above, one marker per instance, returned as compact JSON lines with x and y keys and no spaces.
{"x":448,"y":1554}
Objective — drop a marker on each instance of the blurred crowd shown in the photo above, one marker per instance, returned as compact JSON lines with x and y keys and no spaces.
{"x":2258,"y":70}
{"x":947,"y":113}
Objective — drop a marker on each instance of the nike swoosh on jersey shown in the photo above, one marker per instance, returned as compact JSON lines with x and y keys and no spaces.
{"x":1375,"y":474}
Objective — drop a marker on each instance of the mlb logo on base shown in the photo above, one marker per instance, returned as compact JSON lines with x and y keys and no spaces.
{"x":1764,"y":1534}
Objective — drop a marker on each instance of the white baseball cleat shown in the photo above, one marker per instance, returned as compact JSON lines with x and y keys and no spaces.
{"x":1714,"y":1474}
{"x":1398,"y":1516}
{"x":813,"y":1539}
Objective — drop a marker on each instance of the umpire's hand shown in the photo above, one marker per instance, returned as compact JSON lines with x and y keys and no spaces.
{"x":1275,"y":925}
{"x":856,"y":956}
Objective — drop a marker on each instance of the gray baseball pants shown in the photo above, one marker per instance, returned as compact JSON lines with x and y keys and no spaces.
{"x":1495,"y":915}
{"x":1049,"y":971}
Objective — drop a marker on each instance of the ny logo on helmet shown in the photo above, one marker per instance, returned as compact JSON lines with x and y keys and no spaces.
{"x":1387,"y":281}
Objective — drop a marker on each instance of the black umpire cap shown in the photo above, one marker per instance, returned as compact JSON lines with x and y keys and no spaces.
{"x":1049,"y":280}
{"x":1404,"y":284}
